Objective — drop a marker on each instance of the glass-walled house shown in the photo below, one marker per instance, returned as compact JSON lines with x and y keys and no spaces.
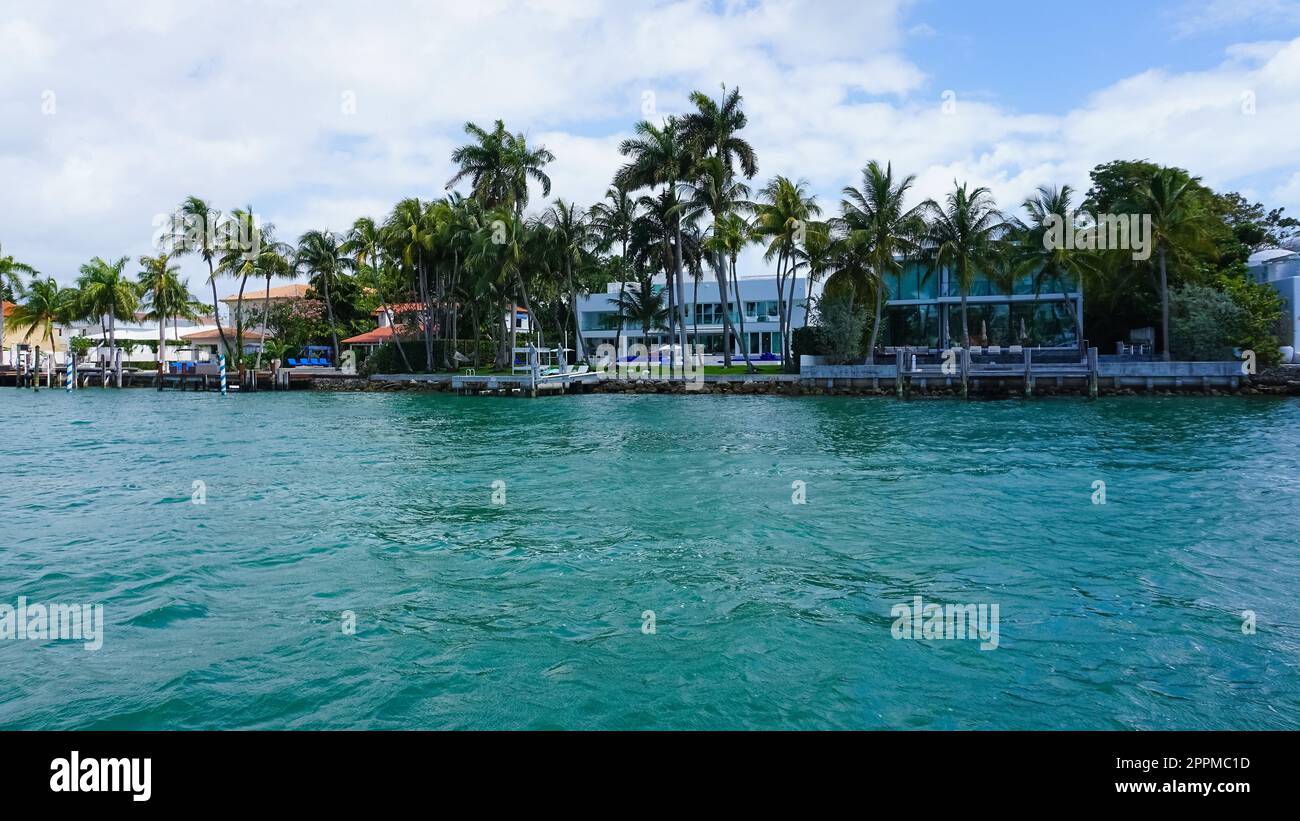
{"x":759,"y":299}
{"x":924,"y":311}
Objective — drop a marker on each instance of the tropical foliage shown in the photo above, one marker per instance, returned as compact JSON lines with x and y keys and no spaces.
{"x":449,"y":273}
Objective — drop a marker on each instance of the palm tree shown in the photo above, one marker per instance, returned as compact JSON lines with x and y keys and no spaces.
{"x":319,"y":253}
{"x":499,"y":165}
{"x":45,"y":306}
{"x":1046,"y":263}
{"x":410,"y":236}
{"x":107,"y":293}
{"x":785,"y":210}
{"x":1176,"y":224}
{"x":659,"y":156}
{"x":196,"y":227}
{"x":733,"y":234}
{"x":613,"y":221}
{"x":878,"y":213}
{"x":644,"y":306}
{"x":272,"y":259}
{"x":365,"y":241}
{"x":574,"y":236}
{"x":159,"y":284}
{"x":961,"y":237}
{"x":11,"y":271}
{"x":714,"y":191}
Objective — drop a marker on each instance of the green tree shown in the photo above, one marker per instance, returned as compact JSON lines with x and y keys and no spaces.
{"x":659,"y":156}
{"x":45,"y":305}
{"x":877,"y":215}
{"x":1168,"y":196}
{"x":783,"y":214}
{"x":319,"y":252}
{"x":105,"y":292}
{"x":11,"y":284}
{"x":613,"y":220}
{"x":164,"y":293}
{"x":197,"y":228}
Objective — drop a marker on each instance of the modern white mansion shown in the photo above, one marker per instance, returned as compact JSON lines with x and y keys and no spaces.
{"x":598,"y":315}
{"x":1279,"y":268}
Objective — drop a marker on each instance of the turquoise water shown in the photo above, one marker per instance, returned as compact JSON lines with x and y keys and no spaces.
{"x":767,"y":614}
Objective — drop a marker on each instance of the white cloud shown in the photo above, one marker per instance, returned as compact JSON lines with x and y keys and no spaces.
{"x":156,"y":101}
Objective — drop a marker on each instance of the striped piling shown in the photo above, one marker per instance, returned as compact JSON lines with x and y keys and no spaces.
{"x":222,"y":362}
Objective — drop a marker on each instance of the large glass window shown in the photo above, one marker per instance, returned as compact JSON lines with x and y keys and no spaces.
{"x":915,"y":326}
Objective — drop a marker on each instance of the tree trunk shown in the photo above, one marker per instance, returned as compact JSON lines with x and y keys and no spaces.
{"x":1164,"y":306}
{"x":388,"y":312}
{"x":266,"y":314}
{"x":216,"y":307}
{"x":162,"y":348}
{"x":573,"y":306}
{"x":478,"y":329}
{"x":720,"y":269}
{"x":239,"y":323}
{"x":740,"y":310}
{"x":329,"y":309}
{"x":875,"y":328}
{"x":681,"y":286}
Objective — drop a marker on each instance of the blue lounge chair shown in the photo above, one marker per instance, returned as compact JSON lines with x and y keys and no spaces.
{"x":293,"y":363}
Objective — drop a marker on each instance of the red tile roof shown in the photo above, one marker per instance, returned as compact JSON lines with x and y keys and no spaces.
{"x":403,"y":308}
{"x":9,"y":308}
{"x":374,"y":337}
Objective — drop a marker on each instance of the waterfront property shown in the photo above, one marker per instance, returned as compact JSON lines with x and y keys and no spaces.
{"x":256,"y":301}
{"x":1279,"y":268}
{"x":21,"y":348}
{"x":924,"y":311}
{"x":760,"y":296}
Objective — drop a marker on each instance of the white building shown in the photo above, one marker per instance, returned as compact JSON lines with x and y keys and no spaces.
{"x":598,"y":315}
{"x":1279,"y":268}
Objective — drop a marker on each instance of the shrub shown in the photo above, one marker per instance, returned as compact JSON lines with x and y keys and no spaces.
{"x":1203,"y":323}
{"x":1261,"y":318}
{"x":840,"y":327}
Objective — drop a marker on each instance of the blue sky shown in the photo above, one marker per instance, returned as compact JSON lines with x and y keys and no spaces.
{"x":1049,"y":57}
{"x":115,"y":113}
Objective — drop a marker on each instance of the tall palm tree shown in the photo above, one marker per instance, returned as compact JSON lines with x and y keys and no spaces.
{"x":613,"y":221}
{"x":659,"y":156}
{"x":44,"y":306}
{"x":272,"y":259}
{"x":105,"y":292}
{"x":879,"y":214}
{"x":783,"y":214}
{"x":1176,"y":225}
{"x":714,"y":191}
{"x":239,"y":261}
{"x":499,"y":165}
{"x":644,"y":306}
{"x":160,"y":286}
{"x":11,"y":273}
{"x":574,"y":236}
{"x":320,"y":253}
{"x":197,"y":228}
{"x":411,"y":237}
{"x":962,"y":238}
{"x":733,"y":234}
{"x":365,"y":241}
{"x":1050,"y":264}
